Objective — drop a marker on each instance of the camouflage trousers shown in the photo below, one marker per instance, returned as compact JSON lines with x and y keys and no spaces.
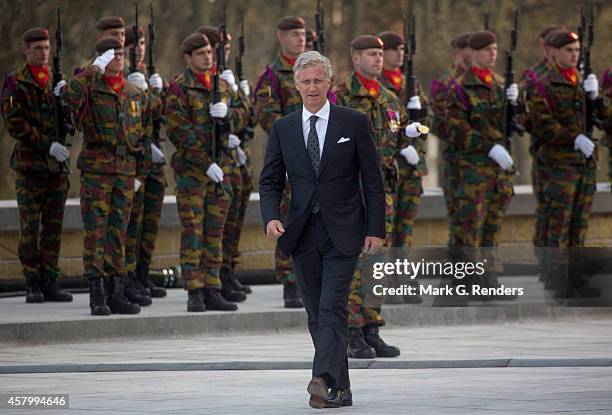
{"x":41,"y":198}
{"x":282,"y":263}
{"x":361,"y":314}
{"x":246,"y":173}
{"x":144,"y":221}
{"x":201,"y":232}
{"x":481,"y":202}
{"x":106,"y":201}
{"x":568,"y":196}
{"x":409,"y":193}
{"x":450,"y":185}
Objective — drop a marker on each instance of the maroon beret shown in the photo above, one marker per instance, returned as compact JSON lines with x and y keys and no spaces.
{"x":211,"y":32}
{"x":561,"y":37}
{"x":290,"y":23}
{"x":129,"y":36}
{"x":391,"y":40}
{"x":548,"y":29}
{"x":106,"y":43}
{"x":110,"y":22}
{"x":34,"y":34}
{"x":367,"y":42}
{"x":460,"y":41}
{"x":479,"y":40}
{"x":194,"y":41}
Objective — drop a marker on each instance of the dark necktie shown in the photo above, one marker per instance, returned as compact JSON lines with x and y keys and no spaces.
{"x":313,"y":153}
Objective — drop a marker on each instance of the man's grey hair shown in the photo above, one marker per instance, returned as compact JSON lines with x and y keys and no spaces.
{"x":312,"y":58}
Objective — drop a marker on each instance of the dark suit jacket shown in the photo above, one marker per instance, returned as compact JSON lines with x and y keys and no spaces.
{"x":338,"y":187}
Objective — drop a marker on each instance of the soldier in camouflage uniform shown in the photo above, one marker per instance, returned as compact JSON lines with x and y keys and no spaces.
{"x":199,"y":178}
{"x":387,"y":116}
{"x":231,"y":170}
{"x":116,"y":124}
{"x":606,"y":88}
{"x":569,"y":158}
{"x":440,"y":89}
{"x":484,"y":165}
{"x":41,"y":165}
{"x":275,"y":97}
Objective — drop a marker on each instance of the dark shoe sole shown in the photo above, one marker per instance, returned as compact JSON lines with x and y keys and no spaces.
{"x":361,"y":355}
{"x":318,"y":392}
{"x":348,"y":402}
{"x":293,"y":304}
{"x":388,"y":354}
{"x":35,"y":300}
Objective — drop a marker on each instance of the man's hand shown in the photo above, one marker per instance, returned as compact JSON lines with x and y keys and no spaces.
{"x":138,"y":80}
{"x":372,"y":245}
{"x":275,"y":230}
{"x":104,"y":59}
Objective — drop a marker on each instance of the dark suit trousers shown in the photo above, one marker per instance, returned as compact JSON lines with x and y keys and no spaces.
{"x":324,"y":276}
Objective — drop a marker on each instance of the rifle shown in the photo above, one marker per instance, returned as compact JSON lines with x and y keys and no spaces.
{"x":62,"y":125}
{"x":241,"y":48}
{"x":581,"y":27}
{"x":487,"y":15}
{"x":319,"y":43}
{"x":151,"y":66}
{"x":408,"y":66}
{"x":133,"y":64}
{"x":220,"y":55}
{"x":590,"y":105}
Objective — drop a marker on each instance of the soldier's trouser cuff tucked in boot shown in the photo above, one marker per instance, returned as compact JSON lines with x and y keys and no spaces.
{"x":357,"y":347}
{"x":142,"y":273}
{"x":33,"y":291}
{"x":372,"y":338}
{"x":117,"y":301}
{"x":97,"y":299}
{"x":215,"y":301}
{"x":227,"y":289}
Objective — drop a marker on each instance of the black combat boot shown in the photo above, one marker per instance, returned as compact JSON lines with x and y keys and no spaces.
{"x":33,"y":293}
{"x":290,"y":296}
{"x":51,"y":290}
{"x":117,"y":301}
{"x":381,"y":348}
{"x":97,"y":299}
{"x":236,"y":284}
{"x":215,"y":301}
{"x":227,"y":289}
{"x":134,"y":292}
{"x":195,"y":301}
{"x":358,"y":348}
{"x":142,"y":272}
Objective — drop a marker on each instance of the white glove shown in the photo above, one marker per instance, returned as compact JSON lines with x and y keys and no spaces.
{"x":234,"y":141}
{"x":215,"y":173}
{"x":246,"y":89}
{"x":137,"y":184}
{"x":591,"y":86}
{"x":501,"y":156}
{"x":411,"y":155}
{"x":242,"y":157}
{"x":156,"y":82}
{"x":512,"y":93}
{"x":57,"y":90}
{"x":228,"y":76}
{"x":584,"y":144}
{"x":59,"y":151}
{"x":218,"y":110}
{"x":138,"y":80}
{"x":104,"y":59}
{"x":412,"y":129}
{"x":156,"y":154}
{"x":414,"y":103}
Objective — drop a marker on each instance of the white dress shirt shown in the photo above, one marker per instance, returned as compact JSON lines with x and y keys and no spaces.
{"x":321,"y":124}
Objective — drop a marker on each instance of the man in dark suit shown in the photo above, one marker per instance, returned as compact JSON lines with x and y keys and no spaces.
{"x":328,"y":154}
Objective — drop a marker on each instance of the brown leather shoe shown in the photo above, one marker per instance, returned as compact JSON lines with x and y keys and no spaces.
{"x":318,"y":390}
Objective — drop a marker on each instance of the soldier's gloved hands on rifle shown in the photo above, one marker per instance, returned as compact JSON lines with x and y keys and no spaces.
{"x":137,"y":184}
{"x":218,"y":110}
{"x":411,"y":155}
{"x":57,"y":90}
{"x":413,"y":130}
{"x":246,"y":89}
{"x":584,"y":144}
{"x":104,"y":59}
{"x":414,"y":103}
{"x":215,"y":173}
{"x":591,"y":86}
{"x":234,"y":141}
{"x":138,"y":80}
{"x":156,"y":82}
{"x":228,"y":76}
{"x":156,"y":154}
{"x":512,"y":93}
{"x":59,"y":151}
{"x":242,"y":157}
{"x":501,"y":156}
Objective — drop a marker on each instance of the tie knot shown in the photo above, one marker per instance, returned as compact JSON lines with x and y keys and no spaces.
{"x":313,"y":120}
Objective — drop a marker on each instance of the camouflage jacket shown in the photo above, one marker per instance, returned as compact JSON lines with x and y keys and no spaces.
{"x":529,"y":81}
{"x":440,"y":89}
{"x":275,"y":93}
{"x":116,"y":128}
{"x":475,"y":117}
{"x":28,"y":112}
{"x":401,"y":93}
{"x":557,"y":110}
{"x":606,"y":89}
{"x":388,"y":119}
{"x":190,"y":126}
